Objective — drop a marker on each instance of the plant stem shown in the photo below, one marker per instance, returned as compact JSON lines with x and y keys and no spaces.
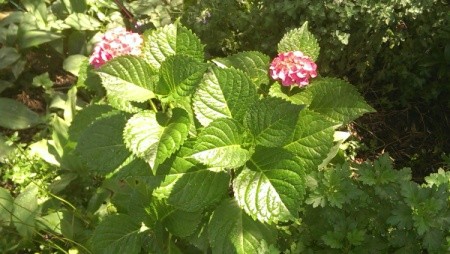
{"x":153,"y":106}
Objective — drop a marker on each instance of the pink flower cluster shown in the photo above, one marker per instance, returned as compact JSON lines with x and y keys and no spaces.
{"x":293,"y":68}
{"x":115,"y":42}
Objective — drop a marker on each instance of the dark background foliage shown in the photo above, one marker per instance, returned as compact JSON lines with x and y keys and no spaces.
{"x":396,"y":52}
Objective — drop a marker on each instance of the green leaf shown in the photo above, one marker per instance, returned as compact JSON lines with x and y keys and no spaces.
{"x":8,"y":56}
{"x":232,"y":231}
{"x":85,"y":117}
{"x":220,"y":144}
{"x":6,"y":148}
{"x":26,"y":210}
{"x":270,"y":188}
{"x":170,"y":40}
{"x":127,"y":78}
{"x":255,"y":64}
{"x":101,"y":145}
{"x":5,"y":85}
{"x":155,"y":137}
{"x":223,"y":93}
{"x":334,"y":98}
{"x":75,"y":5}
{"x":181,"y":223}
{"x":80,"y":22}
{"x":16,"y":116}
{"x":118,"y":234}
{"x":50,"y":222}
{"x":188,"y":185}
{"x":334,"y":239}
{"x":179,"y":76}
{"x":73,"y":63}
{"x":31,"y":38}
{"x":6,"y":207}
{"x":311,"y":140}
{"x":133,"y":193}
{"x":43,"y":81}
{"x":300,"y":39}
{"x":272,"y":121}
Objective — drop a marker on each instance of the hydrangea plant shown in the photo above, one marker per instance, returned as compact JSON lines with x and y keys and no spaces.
{"x":214,"y":152}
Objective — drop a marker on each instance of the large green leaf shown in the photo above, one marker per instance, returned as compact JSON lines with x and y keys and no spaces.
{"x":101,"y":145}
{"x":26,"y":210}
{"x":311,"y":140}
{"x":154,"y":136}
{"x":179,"y":76}
{"x":300,"y":39}
{"x":233,"y":231}
{"x":118,"y":234}
{"x":223,"y":93}
{"x":6,"y":207}
{"x":272,"y":121}
{"x":270,"y":188}
{"x":170,"y":40}
{"x":334,"y":98}
{"x":14,"y":115}
{"x":128,"y":78}
{"x":254,"y":64}
{"x":221,"y":143}
{"x":188,"y":185}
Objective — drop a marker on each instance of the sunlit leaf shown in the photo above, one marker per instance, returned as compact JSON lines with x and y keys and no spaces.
{"x":154,"y":137}
{"x":270,"y":188}
{"x":221,"y":145}
{"x":300,"y":39}
{"x":223,"y":93}
{"x":170,"y":40}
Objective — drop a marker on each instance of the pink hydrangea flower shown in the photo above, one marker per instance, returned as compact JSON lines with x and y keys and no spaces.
{"x":115,"y":42}
{"x":293,"y":68}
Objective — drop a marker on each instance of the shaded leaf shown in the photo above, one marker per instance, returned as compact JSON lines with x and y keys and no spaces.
{"x":182,"y":223}
{"x":85,"y":117}
{"x":31,"y":38}
{"x":118,"y":234}
{"x":26,"y":210}
{"x":232,"y":231}
{"x":8,"y":56}
{"x":16,"y":116}
{"x":101,"y":145}
{"x":6,"y":207}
